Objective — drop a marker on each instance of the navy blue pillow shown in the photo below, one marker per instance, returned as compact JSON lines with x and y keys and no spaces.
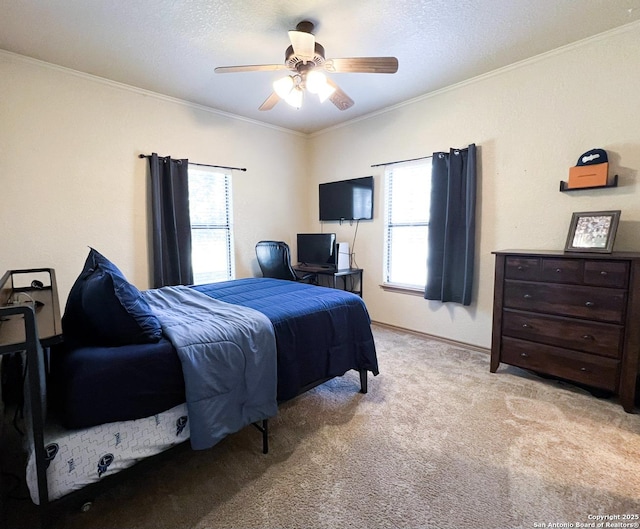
{"x":103,"y":308}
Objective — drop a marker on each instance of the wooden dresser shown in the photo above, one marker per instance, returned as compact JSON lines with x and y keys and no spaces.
{"x":575,"y":316}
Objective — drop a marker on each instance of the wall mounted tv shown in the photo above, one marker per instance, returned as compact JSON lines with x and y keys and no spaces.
{"x":347,"y":199}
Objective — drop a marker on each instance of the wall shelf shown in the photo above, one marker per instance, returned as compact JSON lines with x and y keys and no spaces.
{"x":612,"y":181}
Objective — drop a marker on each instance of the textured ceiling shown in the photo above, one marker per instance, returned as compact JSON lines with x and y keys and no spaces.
{"x":172,"y":47}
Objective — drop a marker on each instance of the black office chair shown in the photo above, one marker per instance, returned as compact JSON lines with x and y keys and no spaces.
{"x":274,"y":258}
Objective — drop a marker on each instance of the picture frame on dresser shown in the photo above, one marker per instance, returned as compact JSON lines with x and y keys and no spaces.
{"x":592,"y":231}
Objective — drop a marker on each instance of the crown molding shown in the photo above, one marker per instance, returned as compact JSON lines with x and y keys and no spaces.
{"x":479,"y":78}
{"x":141,"y":91}
{"x":493,"y":73}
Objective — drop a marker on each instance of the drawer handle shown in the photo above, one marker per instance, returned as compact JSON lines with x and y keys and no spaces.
{"x":589,"y":304}
{"x":558,"y":270}
{"x":527,"y":296}
{"x":526,"y":326}
{"x":524,"y":355}
{"x":520,"y":267}
{"x":587,"y":337}
{"x":583,"y":369}
{"x":603,"y":273}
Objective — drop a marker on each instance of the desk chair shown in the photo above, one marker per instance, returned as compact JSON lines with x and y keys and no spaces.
{"x":274,"y":258}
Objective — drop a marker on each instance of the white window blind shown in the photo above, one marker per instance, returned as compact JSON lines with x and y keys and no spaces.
{"x":407,"y":204}
{"x":210,"y":208}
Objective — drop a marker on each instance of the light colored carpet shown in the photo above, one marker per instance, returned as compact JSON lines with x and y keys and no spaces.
{"x":438,"y":442}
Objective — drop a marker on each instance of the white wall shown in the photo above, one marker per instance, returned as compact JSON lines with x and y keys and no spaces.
{"x":531,"y":122}
{"x":70,"y":176}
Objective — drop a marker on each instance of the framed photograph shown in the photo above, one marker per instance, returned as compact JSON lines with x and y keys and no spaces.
{"x":592,"y":231}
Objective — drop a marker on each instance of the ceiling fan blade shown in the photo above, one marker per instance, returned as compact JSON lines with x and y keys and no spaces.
{"x":362,"y":65}
{"x":250,"y":68}
{"x":304,"y":44}
{"x":270,"y":102}
{"x":339,"y":98}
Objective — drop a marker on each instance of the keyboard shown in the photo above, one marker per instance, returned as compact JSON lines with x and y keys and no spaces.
{"x":314,"y":268}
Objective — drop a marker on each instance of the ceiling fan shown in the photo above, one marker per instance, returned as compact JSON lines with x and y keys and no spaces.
{"x":305,"y":58}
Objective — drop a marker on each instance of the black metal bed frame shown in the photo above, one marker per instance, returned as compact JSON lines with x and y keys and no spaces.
{"x":32,"y":326}
{"x":30,"y":322}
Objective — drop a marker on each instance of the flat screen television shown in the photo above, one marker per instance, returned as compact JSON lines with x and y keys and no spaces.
{"x":318,"y":249}
{"x":347,"y":199}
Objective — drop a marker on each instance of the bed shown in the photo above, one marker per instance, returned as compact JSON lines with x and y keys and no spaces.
{"x":121,"y":400}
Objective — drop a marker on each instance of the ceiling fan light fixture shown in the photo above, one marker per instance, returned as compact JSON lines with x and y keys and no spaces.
{"x":294,"y":98}
{"x":284,"y":86}
{"x":315,"y":81}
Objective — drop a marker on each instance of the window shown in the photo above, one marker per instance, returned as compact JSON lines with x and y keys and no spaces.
{"x":407,"y":202}
{"x":211,"y":225}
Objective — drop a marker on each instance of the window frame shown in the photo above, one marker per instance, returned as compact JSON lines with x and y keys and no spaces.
{"x":226,"y":226}
{"x":389,"y":226}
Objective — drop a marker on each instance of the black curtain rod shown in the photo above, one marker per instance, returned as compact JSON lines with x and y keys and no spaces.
{"x":200,"y":164}
{"x":402,"y":161}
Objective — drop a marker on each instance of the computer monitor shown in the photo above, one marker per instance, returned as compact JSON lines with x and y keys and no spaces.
{"x":318,"y":249}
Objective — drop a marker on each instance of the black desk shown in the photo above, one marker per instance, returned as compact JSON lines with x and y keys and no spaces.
{"x":30,"y":321}
{"x":13,"y":295}
{"x":345,"y":273}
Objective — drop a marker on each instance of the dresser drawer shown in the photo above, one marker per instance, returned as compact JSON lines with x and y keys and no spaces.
{"x":525,"y":268}
{"x":588,"y":336}
{"x":584,"y":368}
{"x":606,"y":273}
{"x":594,"y":303}
{"x":561,"y":270}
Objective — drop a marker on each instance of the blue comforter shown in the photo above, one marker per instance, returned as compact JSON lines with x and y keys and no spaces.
{"x":320,"y":332}
{"x":228,"y":357}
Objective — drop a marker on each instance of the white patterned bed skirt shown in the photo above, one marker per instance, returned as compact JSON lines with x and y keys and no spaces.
{"x":77,"y":458}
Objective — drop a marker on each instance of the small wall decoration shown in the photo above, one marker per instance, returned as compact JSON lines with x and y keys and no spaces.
{"x":592,"y":231}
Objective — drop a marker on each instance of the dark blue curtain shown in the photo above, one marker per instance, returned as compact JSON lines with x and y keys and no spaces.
{"x":452,"y":226}
{"x":171,"y":223}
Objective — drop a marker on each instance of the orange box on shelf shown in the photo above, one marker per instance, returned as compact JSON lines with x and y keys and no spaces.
{"x":588,"y":175}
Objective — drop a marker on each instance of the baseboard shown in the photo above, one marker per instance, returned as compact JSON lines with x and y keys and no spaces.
{"x":434,"y":337}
